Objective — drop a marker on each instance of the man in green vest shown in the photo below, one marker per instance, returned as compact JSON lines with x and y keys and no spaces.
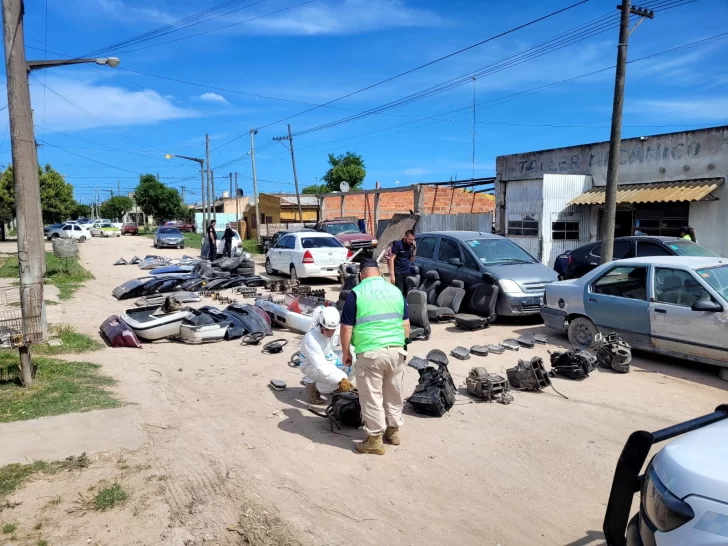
{"x":375,"y":320}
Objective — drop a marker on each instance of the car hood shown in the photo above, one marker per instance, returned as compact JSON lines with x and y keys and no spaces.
{"x":694,"y":464}
{"x":354,"y":237}
{"x":524,"y":273}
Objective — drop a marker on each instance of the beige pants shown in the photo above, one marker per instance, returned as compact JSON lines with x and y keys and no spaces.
{"x":379,"y":377}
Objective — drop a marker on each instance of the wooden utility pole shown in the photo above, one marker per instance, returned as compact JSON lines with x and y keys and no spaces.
{"x":253,"y":132}
{"x":212,"y":201}
{"x":289,"y":138}
{"x":231,"y":184}
{"x":206,"y":213}
{"x":118,"y":187}
{"x":615,"y":138}
{"x":183,"y":195}
{"x":31,"y":246}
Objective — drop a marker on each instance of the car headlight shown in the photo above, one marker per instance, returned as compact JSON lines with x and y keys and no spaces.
{"x":375,"y":242}
{"x":508,"y":286}
{"x":664,"y":510}
{"x":347,"y":244}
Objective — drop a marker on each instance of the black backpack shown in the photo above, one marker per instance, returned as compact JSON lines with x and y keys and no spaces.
{"x":435,"y":393}
{"x":344,"y":409}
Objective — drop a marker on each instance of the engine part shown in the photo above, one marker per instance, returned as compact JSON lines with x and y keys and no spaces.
{"x":510,"y":344}
{"x":277,"y":384}
{"x":438,"y":357}
{"x":528,"y":375}
{"x":252,"y":339}
{"x":298,"y":290}
{"x":461,"y":353}
{"x":526,"y":340}
{"x":275,"y":346}
{"x":245,"y":291}
{"x":135,"y":260}
{"x":487,"y":386}
{"x":435,"y":393}
{"x":573,"y":364}
{"x":344,"y":409}
{"x":613,"y":353}
{"x":479,"y":350}
{"x":540,"y":338}
{"x":121,"y":261}
{"x":496,"y":349}
{"x":418,"y":363}
{"x":319,"y":293}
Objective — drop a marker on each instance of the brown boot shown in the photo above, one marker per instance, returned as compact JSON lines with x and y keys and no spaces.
{"x":391,"y":436}
{"x":314,"y":396}
{"x":372,"y":445}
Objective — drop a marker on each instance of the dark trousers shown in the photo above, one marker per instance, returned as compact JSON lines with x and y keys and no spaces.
{"x":399,"y":282}
{"x":228,"y":250}
{"x":212,"y":251}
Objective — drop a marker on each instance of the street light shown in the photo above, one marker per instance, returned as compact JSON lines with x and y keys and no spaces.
{"x":113,"y":62}
{"x":202,"y":178}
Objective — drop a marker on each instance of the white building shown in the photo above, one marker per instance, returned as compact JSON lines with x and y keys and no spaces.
{"x":553,"y":200}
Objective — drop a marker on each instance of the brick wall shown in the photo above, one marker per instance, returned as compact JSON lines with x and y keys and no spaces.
{"x":438,"y":200}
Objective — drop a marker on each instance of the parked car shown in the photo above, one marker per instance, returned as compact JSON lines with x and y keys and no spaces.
{"x":585,"y":258}
{"x":684,"y":490}
{"x":475,"y":257}
{"x":69,"y":231}
{"x":347,"y":231}
{"x":129,"y":228}
{"x":304,"y":255}
{"x":46,"y":229}
{"x":237,"y":243}
{"x":269,"y":243}
{"x":673,"y":305}
{"x":166,"y":237}
{"x":189,"y":227}
{"x":103,"y":229}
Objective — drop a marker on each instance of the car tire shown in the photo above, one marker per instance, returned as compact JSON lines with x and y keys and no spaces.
{"x":723,"y":374}
{"x":246,"y":263}
{"x":55,"y":236}
{"x":293,"y":273}
{"x":82,"y":239}
{"x":582,"y":332}
{"x":269,"y":268}
{"x":245,"y":271}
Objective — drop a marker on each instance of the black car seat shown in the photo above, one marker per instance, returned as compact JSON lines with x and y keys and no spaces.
{"x":419,"y":321}
{"x":414,"y":278}
{"x":448,"y":302}
{"x":351,"y":278}
{"x":669,"y":292}
{"x":430,"y":286}
{"x":482,"y":303}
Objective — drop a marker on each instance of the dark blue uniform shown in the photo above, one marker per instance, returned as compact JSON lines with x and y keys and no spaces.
{"x":402,"y":253}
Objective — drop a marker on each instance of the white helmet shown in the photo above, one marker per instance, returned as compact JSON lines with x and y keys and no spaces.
{"x":329,"y":318}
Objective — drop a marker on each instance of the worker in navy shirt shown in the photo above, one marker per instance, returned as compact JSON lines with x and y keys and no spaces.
{"x":400,"y":257}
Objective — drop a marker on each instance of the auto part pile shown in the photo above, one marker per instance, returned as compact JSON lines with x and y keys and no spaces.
{"x":528,"y":375}
{"x":613,"y":353}
{"x":246,"y":291}
{"x":488,"y":386}
{"x":435,"y":393}
{"x":573,"y":364}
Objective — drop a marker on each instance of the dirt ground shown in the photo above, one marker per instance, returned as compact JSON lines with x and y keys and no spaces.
{"x":229,"y":461}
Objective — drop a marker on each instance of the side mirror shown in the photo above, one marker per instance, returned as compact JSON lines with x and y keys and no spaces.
{"x":489,"y":278}
{"x":455,"y":261}
{"x":707,"y":305}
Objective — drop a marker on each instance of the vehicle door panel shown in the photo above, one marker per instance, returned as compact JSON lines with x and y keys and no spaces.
{"x":446,"y":250}
{"x":617,"y":302}
{"x":289,"y":254}
{"x":425,"y":256}
{"x":676,"y":327}
{"x":470,"y":273}
{"x":280,"y":254}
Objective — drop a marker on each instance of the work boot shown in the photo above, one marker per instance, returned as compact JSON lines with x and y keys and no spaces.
{"x":314,"y":396}
{"x":372,"y":445}
{"x":391,"y":435}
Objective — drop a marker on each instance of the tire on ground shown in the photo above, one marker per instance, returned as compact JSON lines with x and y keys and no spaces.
{"x":246,"y":263}
{"x":245,"y":271}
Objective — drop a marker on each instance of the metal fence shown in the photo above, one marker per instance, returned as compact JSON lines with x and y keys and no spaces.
{"x":455,"y":222}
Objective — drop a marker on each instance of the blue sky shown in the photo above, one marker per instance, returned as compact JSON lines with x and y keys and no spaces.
{"x":99,"y":124}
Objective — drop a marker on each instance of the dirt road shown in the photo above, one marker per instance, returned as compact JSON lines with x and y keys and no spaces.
{"x":231,"y":450}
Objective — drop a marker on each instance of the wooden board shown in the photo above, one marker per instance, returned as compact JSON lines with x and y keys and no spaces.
{"x":395,"y":230}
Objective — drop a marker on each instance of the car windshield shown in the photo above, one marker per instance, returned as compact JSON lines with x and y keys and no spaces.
{"x":320,"y":242}
{"x":499,"y":251}
{"x":717,"y":277}
{"x":169,"y":231}
{"x":683,"y":247}
{"x":348,"y":227}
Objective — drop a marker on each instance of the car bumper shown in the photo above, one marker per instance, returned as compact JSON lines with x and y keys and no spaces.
{"x":307,"y":271}
{"x":554,"y":318}
{"x":517,"y":306}
{"x":167,"y":244}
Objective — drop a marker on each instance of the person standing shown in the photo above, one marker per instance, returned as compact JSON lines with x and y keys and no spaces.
{"x":686,"y":232}
{"x":400,"y":257}
{"x":375,"y":319}
{"x":212,"y":241}
{"x":228,"y":238}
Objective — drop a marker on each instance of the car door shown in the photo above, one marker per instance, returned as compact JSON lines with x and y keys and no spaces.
{"x":67,"y":231}
{"x":448,"y":249}
{"x":425,"y":255}
{"x":289,"y":254}
{"x":470,"y":273}
{"x":675,"y":326}
{"x":275,"y":257}
{"x":617,"y":302}
{"x":592,"y":258}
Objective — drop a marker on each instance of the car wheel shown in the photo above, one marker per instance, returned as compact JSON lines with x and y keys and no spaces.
{"x":582,"y":332}
{"x":294,"y":273}
{"x":55,"y":236}
{"x":182,"y":246}
{"x":82,"y":238}
{"x":269,"y":268}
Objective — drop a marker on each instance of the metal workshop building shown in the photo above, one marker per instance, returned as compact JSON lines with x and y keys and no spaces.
{"x":553,"y":200}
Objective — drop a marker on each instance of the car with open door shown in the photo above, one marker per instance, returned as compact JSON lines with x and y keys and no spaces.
{"x":304,"y":255}
{"x":672,"y":305}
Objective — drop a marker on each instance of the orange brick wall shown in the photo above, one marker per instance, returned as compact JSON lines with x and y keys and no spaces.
{"x":438,"y":200}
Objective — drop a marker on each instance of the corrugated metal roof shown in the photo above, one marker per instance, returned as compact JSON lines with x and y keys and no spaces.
{"x":306,"y":200}
{"x":661,"y":192}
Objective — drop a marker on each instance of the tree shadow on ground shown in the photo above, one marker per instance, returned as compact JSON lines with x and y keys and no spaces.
{"x":591,"y":538}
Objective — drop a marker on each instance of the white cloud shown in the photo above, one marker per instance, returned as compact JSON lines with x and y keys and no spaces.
{"x":416,"y":171}
{"x":213,"y":97}
{"x":690,"y":110}
{"x":125,"y":11}
{"x":113,"y":105}
{"x":347,"y":17}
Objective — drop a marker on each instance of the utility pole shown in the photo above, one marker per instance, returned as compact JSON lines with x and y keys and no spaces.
{"x":231,"y":184}
{"x":212,"y":201}
{"x":31,"y":245}
{"x":183,"y":195}
{"x":289,"y":138}
{"x":253,"y":132}
{"x":615,"y":138}
{"x":206,"y":210}
{"x":118,"y":187}
{"x":473,"y":175}
{"x":237,"y":201}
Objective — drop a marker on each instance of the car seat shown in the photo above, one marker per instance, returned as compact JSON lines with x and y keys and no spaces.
{"x":342,"y":300}
{"x":430,"y":286}
{"x":670,"y":289}
{"x":419,"y":320}
{"x":413,"y":280}
{"x":351,"y":278}
{"x":482,"y":304}
{"x":448,"y":302}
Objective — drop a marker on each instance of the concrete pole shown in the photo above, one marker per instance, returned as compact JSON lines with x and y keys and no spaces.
{"x":295,"y":176}
{"x":253,"y":131}
{"x":202,"y":194}
{"x":212,"y":201}
{"x":207,"y":208}
{"x":615,"y":139}
{"x":343,"y":197}
{"x":376,"y":214}
{"x":237,"y":203}
{"x":31,"y":244}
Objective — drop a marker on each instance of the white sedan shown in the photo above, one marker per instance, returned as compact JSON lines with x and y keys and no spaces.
{"x":103,"y":229}
{"x":69,"y":231}
{"x":305,"y":254}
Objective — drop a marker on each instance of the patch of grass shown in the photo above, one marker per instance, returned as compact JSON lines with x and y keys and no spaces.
{"x":252,"y":246}
{"x":12,"y":476}
{"x":7,"y":505}
{"x":66,"y":274}
{"x":109,"y":497}
{"x":72,"y":342}
{"x":55,"y":501}
{"x":42,"y":542}
{"x":193,"y":240}
{"x":9,"y":528}
{"x":59,"y":387}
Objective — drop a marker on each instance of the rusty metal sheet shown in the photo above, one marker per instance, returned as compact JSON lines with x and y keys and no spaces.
{"x":662,"y":192}
{"x":395,"y":230}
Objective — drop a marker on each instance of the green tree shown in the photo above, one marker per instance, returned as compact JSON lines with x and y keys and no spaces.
{"x":157,"y":200}
{"x":347,"y":167}
{"x":315,"y":189}
{"x":7,"y":196}
{"x":116,"y":207}
{"x":56,"y":195}
{"x":80,"y":211}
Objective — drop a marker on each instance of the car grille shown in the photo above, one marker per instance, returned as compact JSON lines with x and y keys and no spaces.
{"x":360,"y":244}
{"x":530,"y":308}
{"x":534,"y":286}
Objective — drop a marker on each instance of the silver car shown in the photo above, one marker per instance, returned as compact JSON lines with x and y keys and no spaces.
{"x":165,"y":237}
{"x":673,"y":305}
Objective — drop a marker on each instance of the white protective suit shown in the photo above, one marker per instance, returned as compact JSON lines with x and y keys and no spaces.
{"x":321,"y":364}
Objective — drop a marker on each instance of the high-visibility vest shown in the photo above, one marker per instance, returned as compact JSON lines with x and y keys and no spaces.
{"x":379,"y":310}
